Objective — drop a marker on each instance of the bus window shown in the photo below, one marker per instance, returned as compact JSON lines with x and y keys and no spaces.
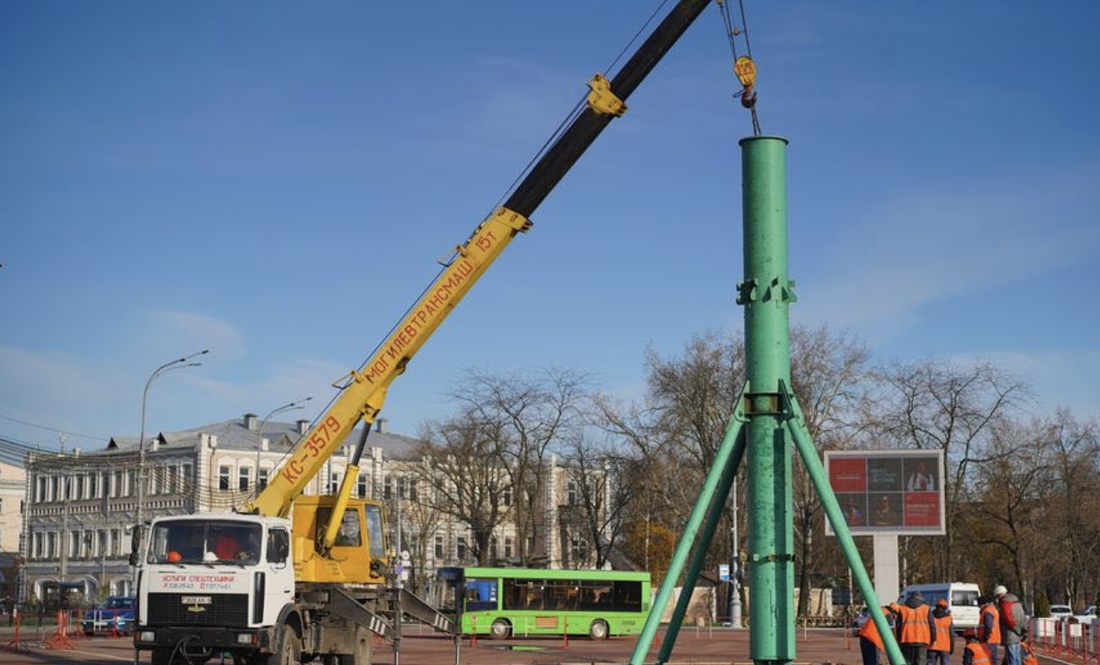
{"x":481,"y":595}
{"x":628,"y":596}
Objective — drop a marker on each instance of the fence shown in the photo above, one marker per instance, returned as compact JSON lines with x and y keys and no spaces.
{"x":1067,"y":639}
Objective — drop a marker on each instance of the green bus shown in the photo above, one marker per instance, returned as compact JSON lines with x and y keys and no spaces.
{"x":505,"y":602}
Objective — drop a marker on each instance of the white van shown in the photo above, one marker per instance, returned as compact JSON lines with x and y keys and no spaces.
{"x":962,"y":600}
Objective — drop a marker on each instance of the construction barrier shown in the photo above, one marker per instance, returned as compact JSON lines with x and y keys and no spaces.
{"x":1069,"y":640}
{"x":60,"y":639}
{"x":16,"y":643}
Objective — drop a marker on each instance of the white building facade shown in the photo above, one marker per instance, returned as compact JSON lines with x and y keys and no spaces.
{"x":80,"y":507}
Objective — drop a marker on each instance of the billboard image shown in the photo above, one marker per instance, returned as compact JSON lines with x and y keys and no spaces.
{"x":888,"y":491}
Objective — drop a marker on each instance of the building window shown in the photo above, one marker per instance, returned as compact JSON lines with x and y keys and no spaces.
{"x":571,"y":493}
{"x":263,"y":477}
{"x":104,"y":485}
{"x":101,"y":548}
{"x":506,"y":497}
{"x":334,"y":483}
{"x":508,"y":547}
{"x":578,"y":551}
{"x":115,"y":544}
{"x":387,"y":487}
{"x":242,"y":478}
{"x":461,"y":548}
{"x":439,"y":548}
{"x":493,"y":548}
{"x":362,"y":486}
{"x":223,"y":477}
{"x":185,"y":479}
{"x":414,"y":492}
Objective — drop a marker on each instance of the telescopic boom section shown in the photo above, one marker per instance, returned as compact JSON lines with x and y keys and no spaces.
{"x":363,"y":397}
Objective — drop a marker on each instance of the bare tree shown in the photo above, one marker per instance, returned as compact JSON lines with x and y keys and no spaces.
{"x":462,"y":461}
{"x":940,"y":405}
{"x":1077,"y":463}
{"x":830,"y":378}
{"x":530,"y":416}
{"x":1009,"y":497}
{"x":600,"y":488}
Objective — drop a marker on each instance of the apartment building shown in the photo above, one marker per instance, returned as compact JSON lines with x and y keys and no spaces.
{"x":80,"y":506}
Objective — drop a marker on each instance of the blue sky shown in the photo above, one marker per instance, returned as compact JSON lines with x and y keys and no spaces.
{"x":275,"y":180}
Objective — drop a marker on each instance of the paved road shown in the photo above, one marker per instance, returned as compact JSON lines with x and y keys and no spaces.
{"x":695,"y":646}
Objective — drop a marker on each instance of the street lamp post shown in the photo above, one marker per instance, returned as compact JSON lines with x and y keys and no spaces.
{"x":179,"y":363}
{"x":296,"y":404}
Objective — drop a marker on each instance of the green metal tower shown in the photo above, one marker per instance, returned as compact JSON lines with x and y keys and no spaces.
{"x":766,"y":423}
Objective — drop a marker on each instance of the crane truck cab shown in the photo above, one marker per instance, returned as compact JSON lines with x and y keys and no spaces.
{"x":212,"y":583}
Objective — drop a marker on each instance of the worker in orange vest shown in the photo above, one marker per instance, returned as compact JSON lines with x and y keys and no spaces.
{"x":916,"y":629}
{"x":989,"y":626}
{"x":976,"y":652}
{"x":939,"y":652}
{"x":870,"y":642}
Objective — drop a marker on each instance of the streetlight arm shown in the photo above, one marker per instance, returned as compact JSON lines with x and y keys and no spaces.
{"x":296,"y":404}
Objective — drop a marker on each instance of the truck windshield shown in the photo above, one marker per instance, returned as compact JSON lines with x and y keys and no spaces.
{"x":205,"y":541}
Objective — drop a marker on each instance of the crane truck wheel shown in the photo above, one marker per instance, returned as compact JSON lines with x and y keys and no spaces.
{"x":290,"y":648}
{"x":362,"y":655}
{"x":598,"y":630}
{"x":500,"y":630}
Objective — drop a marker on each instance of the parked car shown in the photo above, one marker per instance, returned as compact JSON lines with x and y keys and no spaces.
{"x":1060,"y":611}
{"x":1086,"y":615}
{"x":116,"y":614}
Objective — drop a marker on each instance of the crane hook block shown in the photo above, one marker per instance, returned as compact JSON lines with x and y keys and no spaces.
{"x":601,"y":100}
{"x":745,"y":69}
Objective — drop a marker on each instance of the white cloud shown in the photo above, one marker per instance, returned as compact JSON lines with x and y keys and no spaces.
{"x":187,"y":332}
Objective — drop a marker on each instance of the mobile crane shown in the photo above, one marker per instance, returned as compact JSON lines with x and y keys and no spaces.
{"x":290,"y":577}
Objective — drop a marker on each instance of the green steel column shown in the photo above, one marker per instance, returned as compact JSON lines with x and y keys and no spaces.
{"x":766,"y":294}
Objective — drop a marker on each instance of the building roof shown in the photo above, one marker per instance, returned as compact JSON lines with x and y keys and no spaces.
{"x":236,"y":434}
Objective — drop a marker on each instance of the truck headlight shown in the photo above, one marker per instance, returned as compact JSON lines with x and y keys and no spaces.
{"x":246,"y":638}
{"x":147,"y":636}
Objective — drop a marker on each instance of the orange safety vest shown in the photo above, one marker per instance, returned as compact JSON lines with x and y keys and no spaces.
{"x":1027,"y":654}
{"x":943,"y":634}
{"x":994,"y":636}
{"x":978,"y":654}
{"x":870,"y":631}
{"x":914,"y":625}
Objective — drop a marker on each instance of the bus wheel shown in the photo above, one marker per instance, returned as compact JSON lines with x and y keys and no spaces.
{"x":500,"y":630}
{"x":598,"y":630}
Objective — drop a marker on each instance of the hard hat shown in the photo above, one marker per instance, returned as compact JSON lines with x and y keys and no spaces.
{"x":941,"y":603}
{"x":999,"y":590}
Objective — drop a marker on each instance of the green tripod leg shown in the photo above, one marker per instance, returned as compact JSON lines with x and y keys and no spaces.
{"x":717,"y":507}
{"x":710,"y":485}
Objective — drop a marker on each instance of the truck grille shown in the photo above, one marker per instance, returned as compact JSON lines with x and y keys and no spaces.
{"x":168,"y":609}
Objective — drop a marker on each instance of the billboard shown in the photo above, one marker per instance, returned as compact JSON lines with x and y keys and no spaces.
{"x":888,"y":491}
